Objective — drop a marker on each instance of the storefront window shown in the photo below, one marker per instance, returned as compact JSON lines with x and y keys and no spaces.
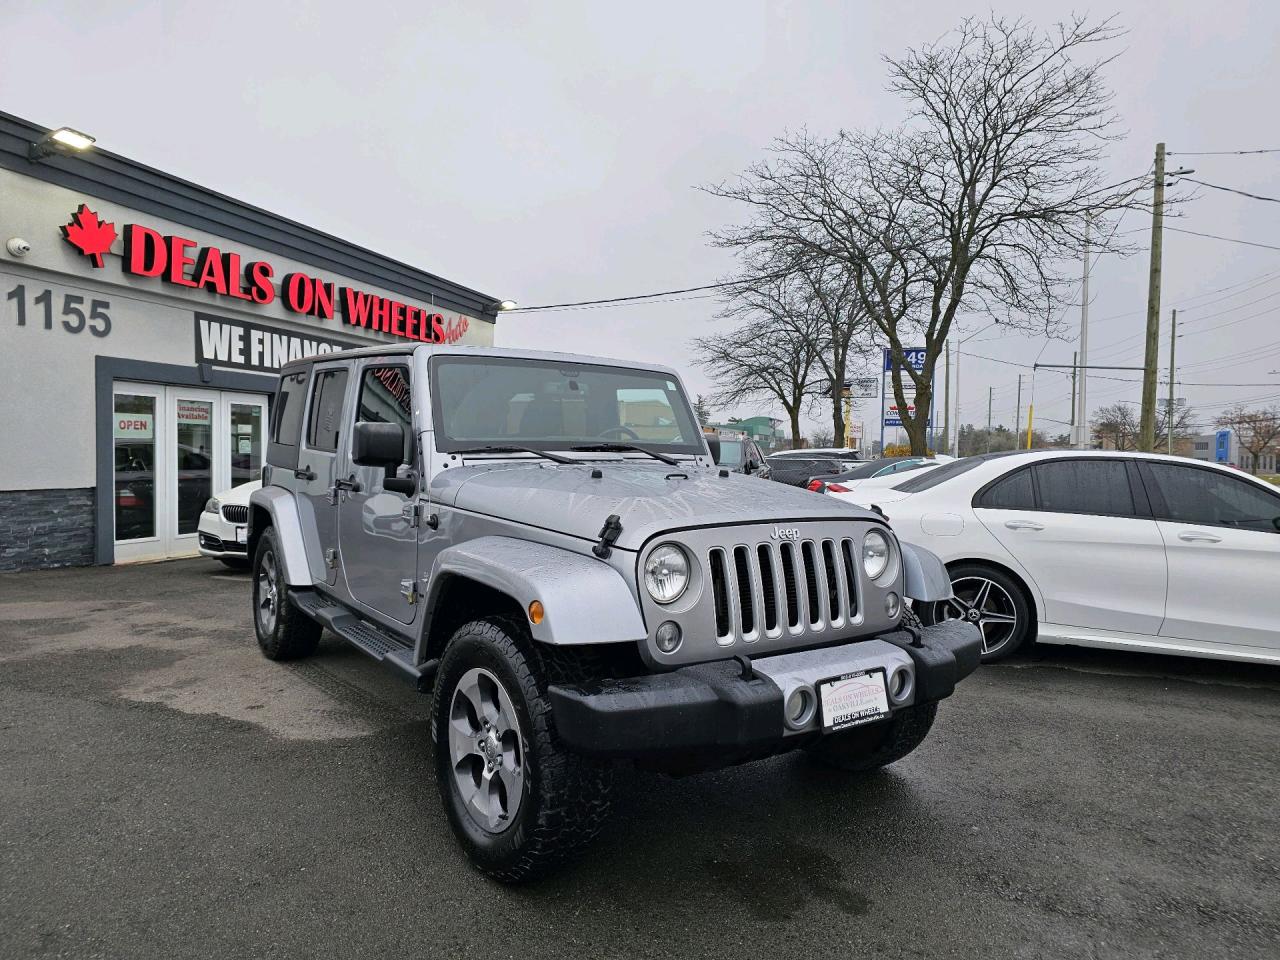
{"x":195,"y":461}
{"x":135,"y":466}
{"x":246,"y":442}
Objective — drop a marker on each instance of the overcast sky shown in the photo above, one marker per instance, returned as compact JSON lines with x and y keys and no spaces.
{"x":551,"y":153}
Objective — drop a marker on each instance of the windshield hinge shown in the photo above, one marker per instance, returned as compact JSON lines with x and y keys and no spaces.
{"x":609,"y":534}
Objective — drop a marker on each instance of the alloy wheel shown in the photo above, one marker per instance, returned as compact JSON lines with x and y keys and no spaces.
{"x":486,"y":750}
{"x":986,"y":605}
{"x":268,"y":592}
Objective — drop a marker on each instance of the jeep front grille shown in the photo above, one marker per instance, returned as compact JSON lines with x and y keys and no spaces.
{"x":792,"y":586}
{"x":235,"y":513}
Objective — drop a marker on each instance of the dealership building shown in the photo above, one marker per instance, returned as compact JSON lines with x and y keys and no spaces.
{"x":142,"y":322}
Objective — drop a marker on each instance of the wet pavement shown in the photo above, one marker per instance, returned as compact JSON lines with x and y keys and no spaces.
{"x":166,"y":792}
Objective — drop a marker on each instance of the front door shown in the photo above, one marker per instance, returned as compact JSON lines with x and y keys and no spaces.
{"x":173,"y":449}
{"x":379,"y":538}
{"x":1221,"y":536}
{"x":317,"y":473}
{"x":1075,"y":527}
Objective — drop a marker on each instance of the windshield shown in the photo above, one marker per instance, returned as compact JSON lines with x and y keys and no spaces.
{"x":552,"y":405}
{"x":931,"y":478}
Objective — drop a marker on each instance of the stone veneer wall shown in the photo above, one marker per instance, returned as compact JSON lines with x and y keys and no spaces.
{"x":46,"y":528}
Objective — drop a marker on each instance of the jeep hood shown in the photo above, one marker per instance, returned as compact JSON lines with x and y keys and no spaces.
{"x":648,"y":498}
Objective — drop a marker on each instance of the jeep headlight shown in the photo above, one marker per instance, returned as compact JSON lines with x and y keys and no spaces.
{"x":666,"y":573}
{"x":211,"y":505}
{"x":875,"y":554}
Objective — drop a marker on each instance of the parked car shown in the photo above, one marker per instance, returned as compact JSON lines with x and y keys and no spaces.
{"x":835,"y":453}
{"x":798,"y":471}
{"x":574,"y":591}
{"x":741,"y":456}
{"x":224,"y":526}
{"x":850,"y":479}
{"x":1119,"y":550}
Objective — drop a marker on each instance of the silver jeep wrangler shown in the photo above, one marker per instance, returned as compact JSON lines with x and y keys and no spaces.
{"x":545,"y":543}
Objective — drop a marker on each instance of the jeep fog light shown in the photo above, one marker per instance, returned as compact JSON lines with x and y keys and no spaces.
{"x":892,"y":605}
{"x":668,"y":636}
{"x":666,"y":573}
{"x":875,"y":553}
{"x":801,"y":706}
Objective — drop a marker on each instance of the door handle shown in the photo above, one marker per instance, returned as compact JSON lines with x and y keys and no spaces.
{"x":351,"y":483}
{"x":1197,"y":536}
{"x":1023,"y":525}
{"x":306,"y":473}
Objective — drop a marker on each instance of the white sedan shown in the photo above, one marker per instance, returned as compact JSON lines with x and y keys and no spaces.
{"x":224,"y":524}
{"x":1123,"y":550}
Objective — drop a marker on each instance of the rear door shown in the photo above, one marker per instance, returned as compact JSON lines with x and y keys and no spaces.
{"x":379,"y":537}
{"x":1220,"y":533}
{"x":1082,"y":530}
{"x":318,"y":466}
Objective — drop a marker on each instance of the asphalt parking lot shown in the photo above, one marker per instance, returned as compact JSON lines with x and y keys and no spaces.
{"x":166,"y":792}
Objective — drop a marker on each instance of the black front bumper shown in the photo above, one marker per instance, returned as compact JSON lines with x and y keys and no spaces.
{"x":709,"y":715}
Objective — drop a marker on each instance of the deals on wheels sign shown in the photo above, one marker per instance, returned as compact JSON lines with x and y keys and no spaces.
{"x":889,"y":403}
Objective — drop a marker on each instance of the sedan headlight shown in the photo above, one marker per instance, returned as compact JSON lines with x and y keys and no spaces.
{"x":211,"y":505}
{"x":666,"y":573}
{"x":875,"y":554}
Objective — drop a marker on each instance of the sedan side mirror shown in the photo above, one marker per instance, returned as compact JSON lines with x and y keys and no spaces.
{"x":378,"y":445}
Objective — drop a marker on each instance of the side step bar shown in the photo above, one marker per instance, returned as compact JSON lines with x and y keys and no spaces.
{"x":373,"y":641}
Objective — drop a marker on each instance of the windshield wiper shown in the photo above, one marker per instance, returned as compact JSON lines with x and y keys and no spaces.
{"x":494,"y":448}
{"x":611,"y":447}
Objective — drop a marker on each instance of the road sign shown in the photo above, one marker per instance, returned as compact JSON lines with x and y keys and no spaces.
{"x":892,"y":416}
{"x":865,"y":388}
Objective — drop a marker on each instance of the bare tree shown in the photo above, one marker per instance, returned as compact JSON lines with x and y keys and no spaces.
{"x":1117,"y":424}
{"x":702,"y":409}
{"x":1255,"y":430}
{"x":974,"y":203}
{"x":1183,"y":423}
{"x":762,"y":361}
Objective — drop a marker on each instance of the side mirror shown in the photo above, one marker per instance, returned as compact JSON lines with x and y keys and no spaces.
{"x":713,"y":444}
{"x":378,"y":445}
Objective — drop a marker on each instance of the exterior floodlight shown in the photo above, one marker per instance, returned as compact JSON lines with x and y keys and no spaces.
{"x":507,"y":305}
{"x":62,"y":140}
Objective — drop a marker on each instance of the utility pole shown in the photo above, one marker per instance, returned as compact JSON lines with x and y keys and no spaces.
{"x":1017,"y":420}
{"x":1075,"y":370}
{"x":946,"y":398}
{"x":1082,"y":442}
{"x":990,"y":391}
{"x":1173,"y":343}
{"x":1147,"y":424}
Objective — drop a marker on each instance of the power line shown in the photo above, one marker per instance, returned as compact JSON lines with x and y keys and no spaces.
{"x":638,"y":296}
{"x":1214,"y":236}
{"x":1243,"y":193}
{"x":1216,"y":153}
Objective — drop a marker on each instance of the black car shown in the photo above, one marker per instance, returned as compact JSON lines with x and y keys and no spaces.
{"x":797,"y":471}
{"x":743,"y":456}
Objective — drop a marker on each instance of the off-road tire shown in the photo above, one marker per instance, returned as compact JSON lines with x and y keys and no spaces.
{"x":566,"y":797}
{"x":291,"y":634}
{"x":876,"y":744}
{"x":239,"y":564}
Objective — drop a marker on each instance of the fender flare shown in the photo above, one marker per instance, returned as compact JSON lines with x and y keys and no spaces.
{"x":925,"y":576}
{"x":586,"y":601}
{"x":281,"y":506}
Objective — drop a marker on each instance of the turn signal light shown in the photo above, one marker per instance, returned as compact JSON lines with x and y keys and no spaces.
{"x":536,"y":613}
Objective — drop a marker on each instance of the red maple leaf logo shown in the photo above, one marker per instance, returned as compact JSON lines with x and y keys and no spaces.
{"x":90,"y":235}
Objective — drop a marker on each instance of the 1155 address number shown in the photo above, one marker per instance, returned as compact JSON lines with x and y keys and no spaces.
{"x":97,"y":322}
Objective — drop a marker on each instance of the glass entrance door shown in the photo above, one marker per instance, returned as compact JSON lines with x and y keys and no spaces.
{"x":175,"y":447}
